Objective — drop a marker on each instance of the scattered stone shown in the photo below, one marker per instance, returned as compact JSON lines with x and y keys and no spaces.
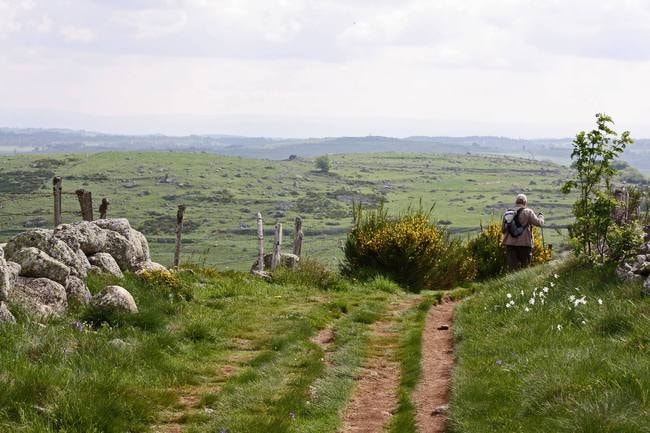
{"x":115,"y":298}
{"x":287,"y":260}
{"x":36,"y":263}
{"x":443,"y":327}
{"x":440,"y":410}
{"x":5,"y":283}
{"x":106,"y":264}
{"x":120,"y":344}
{"x":40,"y":297}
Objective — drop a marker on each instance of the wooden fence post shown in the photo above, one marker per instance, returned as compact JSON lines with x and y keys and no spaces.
{"x":179,"y":230}
{"x":298,"y":236}
{"x":86,"y":203}
{"x":277,"y":243}
{"x":260,"y":240}
{"x":103,"y":208}
{"x":56,"y":189}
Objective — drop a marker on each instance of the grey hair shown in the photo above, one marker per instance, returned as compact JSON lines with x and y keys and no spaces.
{"x":521,"y":199}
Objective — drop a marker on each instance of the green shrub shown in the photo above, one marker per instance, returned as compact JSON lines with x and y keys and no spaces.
{"x":624,"y":241}
{"x":410,"y":249}
{"x":167,"y":284}
{"x":488,"y":251}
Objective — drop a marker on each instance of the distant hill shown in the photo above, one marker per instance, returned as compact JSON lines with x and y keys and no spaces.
{"x":13,"y":140}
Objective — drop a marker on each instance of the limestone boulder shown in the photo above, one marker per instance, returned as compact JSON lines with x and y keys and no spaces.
{"x":5,"y":314}
{"x":106,"y":264}
{"x":36,"y":263}
{"x":114,"y":298}
{"x":139,"y":247}
{"x":14,"y":272}
{"x":646,"y":284}
{"x":76,"y":291}
{"x":151,"y":267}
{"x":40,"y":297}
{"x":45,"y":241}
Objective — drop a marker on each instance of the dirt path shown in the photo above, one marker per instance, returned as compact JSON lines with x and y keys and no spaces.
{"x":375,"y":395}
{"x":432,"y":393}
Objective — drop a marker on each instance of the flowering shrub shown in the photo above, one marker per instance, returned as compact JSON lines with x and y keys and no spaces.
{"x":410,"y":249}
{"x":167,"y":283}
{"x":489,"y":253}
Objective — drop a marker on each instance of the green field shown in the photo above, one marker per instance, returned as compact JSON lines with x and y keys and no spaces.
{"x":223,"y":195}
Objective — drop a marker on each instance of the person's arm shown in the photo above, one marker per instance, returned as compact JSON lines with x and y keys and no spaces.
{"x":535,"y":220}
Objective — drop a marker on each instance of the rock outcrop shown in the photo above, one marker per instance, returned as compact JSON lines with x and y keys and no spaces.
{"x":45,"y":270}
{"x":115,"y":298}
{"x":5,"y":314}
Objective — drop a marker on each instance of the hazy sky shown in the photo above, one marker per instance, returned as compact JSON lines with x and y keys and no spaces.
{"x":525,"y":68}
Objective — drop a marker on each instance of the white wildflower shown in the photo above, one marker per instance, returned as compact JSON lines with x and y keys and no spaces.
{"x":526,"y":309}
{"x":579,"y":301}
{"x":531,"y":301}
{"x":584,"y":322}
{"x":552,"y":284}
{"x":600,"y":301}
{"x":559,"y":327}
{"x":572,"y":298}
{"x":545,"y":289}
{"x":556,"y":276}
{"x":509,"y":296}
{"x":522,"y":293}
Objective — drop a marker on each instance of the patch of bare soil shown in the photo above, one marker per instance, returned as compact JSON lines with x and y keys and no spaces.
{"x":431,"y":396}
{"x":375,"y":396}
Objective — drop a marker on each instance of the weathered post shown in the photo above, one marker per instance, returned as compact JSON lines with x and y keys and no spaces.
{"x":298,"y":236}
{"x":179,"y":230}
{"x":56,"y":189}
{"x":277,"y":243}
{"x":86,"y":204}
{"x":260,"y":241}
{"x":103,"y":208}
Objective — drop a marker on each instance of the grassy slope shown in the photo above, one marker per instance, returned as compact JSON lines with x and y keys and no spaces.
{"x":518,"y":372}
{"x":467,"y":190}
{"x":248,"y":340}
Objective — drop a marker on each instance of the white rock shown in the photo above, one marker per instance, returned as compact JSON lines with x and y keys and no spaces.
{"x":36,"y":264}
{"x":77,"y":291}
{"x":45,"y":241}
{"x":115,"y":298}
{"x":41,"y":297}
{"x":106,"y":263}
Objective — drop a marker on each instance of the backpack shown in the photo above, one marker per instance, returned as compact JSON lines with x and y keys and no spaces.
{"x":511,"y":223}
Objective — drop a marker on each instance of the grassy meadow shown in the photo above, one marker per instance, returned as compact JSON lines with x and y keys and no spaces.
{"x":557,"y":348}
{"x":223,"y":195}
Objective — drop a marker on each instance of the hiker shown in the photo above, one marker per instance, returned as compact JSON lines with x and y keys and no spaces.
{"x":518,"y":233}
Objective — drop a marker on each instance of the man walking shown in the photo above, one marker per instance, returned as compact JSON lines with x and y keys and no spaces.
{"x":518,"y":233}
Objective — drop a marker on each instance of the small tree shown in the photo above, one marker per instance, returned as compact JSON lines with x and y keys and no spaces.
{"x":323,"y":164}
{"x":593,"y":154}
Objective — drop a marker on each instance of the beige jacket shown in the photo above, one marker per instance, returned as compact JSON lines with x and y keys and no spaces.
{"x":526,"y":218}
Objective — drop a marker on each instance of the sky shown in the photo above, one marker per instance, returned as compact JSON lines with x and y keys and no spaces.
{"x":298,"y":68}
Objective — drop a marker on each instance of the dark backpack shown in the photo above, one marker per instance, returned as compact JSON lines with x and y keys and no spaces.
{"x":511,"y":224}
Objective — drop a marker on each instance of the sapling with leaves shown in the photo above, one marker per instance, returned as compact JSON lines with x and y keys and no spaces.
{"x":593,"y":154}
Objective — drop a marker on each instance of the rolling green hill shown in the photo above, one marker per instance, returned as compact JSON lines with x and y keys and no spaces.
{"x":223,"y":195}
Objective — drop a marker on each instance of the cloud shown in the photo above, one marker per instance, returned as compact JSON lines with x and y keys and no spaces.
{"x":152,"y":23}
{"x":77,"y":34}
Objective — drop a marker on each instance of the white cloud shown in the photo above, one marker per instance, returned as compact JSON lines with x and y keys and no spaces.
{"x":152,"y":23}
{"x":77,"y":34}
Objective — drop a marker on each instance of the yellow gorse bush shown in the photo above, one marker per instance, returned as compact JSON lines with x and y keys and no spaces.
{"x":410,"y":249}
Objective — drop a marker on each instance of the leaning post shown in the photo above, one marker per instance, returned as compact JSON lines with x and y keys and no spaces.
{"x":298,"y":236}
{"x":56,"y":190}
{"x":179,"y":230}
{"x":260,"y":242}
{"x":277,"y":243}
{"x":86,"y":204}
